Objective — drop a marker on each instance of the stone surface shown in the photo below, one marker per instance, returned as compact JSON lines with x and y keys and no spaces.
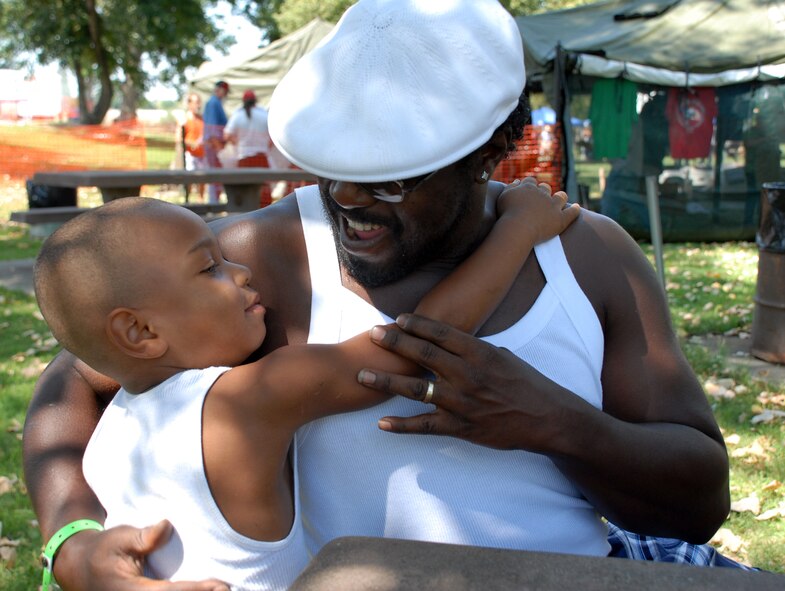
{"x":374,"y":564}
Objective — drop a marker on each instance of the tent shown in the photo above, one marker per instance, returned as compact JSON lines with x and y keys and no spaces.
{"x":659,"y":45}
{"x":260,"y":71}
{"x":713,"y":42}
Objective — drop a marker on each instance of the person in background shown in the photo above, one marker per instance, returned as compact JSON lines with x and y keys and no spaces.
{"x":193,"y":130}
{"x":213,"y":137}
{"x":247,"y":128}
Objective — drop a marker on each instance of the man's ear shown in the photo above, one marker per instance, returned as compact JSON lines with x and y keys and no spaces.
{"x":129,"y":330}
{"x":492,"y":152}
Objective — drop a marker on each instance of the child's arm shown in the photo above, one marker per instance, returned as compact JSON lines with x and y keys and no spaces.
{"x":528,"y":214}
{"x":312,"y":381}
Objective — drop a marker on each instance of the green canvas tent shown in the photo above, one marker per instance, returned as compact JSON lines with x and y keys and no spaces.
{"x":660,"y":45}
{"x":663,"y":41}
{"x":259,"y":71}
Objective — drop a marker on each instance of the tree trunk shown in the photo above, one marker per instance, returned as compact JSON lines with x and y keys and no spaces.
{"x":130,"y":100}
{"x":98,"y":112}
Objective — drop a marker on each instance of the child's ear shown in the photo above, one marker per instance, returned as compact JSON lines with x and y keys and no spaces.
{"x":129,"y":331}
{"x":494,"y":150}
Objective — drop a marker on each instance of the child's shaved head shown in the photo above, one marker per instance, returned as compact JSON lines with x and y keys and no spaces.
{"x":86,"y":268}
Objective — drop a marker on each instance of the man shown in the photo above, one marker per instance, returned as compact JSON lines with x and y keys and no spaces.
{"x":577,"y":404}
{"x":214,"y":122}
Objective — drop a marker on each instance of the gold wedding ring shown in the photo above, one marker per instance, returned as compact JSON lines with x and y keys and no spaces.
{"x":428,"y":393}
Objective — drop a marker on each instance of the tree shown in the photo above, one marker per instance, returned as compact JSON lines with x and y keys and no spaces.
{"x":524,"y":7}
{"x":107,"y":44}
{"x":280,"y":17}
{"x":293,"y":14}
{"x":262,"y":14}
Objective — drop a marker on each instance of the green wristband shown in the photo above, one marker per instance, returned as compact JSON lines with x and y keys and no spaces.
{"x":50,"y":550}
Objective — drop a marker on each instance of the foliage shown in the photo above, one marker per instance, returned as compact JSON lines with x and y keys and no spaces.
{"x":110,"y":43}
{"x":294,"y":14}
{"x":262,"y":14}
{"x":281,"y":17}
{"x":523,"y":7}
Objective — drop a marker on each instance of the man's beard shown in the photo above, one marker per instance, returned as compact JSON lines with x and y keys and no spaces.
{"x":427,"y":244}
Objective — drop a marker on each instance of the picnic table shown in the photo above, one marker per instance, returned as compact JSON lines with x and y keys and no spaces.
{"x":370,"y":564}
{"x":242,"y":185}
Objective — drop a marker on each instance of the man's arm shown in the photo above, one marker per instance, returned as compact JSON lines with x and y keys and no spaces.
{"x":652,"y":460}
{"x":67,"y":402}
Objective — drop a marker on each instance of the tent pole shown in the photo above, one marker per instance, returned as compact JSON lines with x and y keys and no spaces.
{"x":655,"y":226}
{"x":563,"y":116}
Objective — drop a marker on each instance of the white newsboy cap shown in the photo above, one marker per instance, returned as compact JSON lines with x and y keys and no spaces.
{"x":399,"y":88}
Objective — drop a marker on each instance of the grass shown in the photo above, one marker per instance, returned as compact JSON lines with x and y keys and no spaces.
{"x":25,"y":349}
{"x":710,"y":290}
{"x":16,"y":242}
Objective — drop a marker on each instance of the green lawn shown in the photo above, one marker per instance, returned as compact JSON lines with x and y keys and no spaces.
{"x":710,"y":290}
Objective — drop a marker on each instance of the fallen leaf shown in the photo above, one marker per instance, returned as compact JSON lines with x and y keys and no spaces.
{"x":767,"y":416}
{"x":14,"y":426}
{"x":750,"y":503}
{"x":733,"y":439}
{"x":7,"y":484}
{"x":754,"y":450}
{"x":8,"y":551}
{"x":773,"y":485}
{"x":727,"y":541}
{"x":778,"y":511}
{"x":33,"y":370}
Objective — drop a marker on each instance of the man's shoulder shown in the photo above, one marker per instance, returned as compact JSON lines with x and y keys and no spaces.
{"x":602,"y":256}
{"x":592,"y":235}
{"x":268,"y":229}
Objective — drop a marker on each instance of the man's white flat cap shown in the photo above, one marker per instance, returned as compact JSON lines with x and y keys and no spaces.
{"x":399,"y":88}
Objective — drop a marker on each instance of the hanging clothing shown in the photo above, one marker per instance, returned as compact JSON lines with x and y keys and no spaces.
{"x":691,"y":114}
{"x":733,"y":110}
{"x":613,"y":112}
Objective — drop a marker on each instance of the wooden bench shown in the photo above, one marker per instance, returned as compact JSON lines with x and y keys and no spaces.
{"x":242,"y":185}
{"x":44,"y":220}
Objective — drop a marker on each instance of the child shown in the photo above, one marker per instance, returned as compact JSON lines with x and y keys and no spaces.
{"x":139,"y":290}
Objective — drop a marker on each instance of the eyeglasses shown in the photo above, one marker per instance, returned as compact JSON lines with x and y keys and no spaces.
{"x":395,"y":191}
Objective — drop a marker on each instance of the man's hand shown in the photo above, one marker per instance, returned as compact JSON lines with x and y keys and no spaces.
{"x":477,"y":389}
{"x":113,"y":560}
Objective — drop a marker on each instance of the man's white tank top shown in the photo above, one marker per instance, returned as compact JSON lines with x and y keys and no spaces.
{"x":145,"y":463}
{"x":358,"y":480}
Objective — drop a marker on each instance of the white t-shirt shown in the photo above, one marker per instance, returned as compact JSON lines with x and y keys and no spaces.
{"x":252,"y":136}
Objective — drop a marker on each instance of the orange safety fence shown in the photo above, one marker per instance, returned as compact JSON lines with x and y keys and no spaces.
{"x":38,"y":147}
{"x":538,"y":153}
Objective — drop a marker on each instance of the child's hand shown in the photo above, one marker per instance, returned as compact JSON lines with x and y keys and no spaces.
{"x":543,"y":214}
